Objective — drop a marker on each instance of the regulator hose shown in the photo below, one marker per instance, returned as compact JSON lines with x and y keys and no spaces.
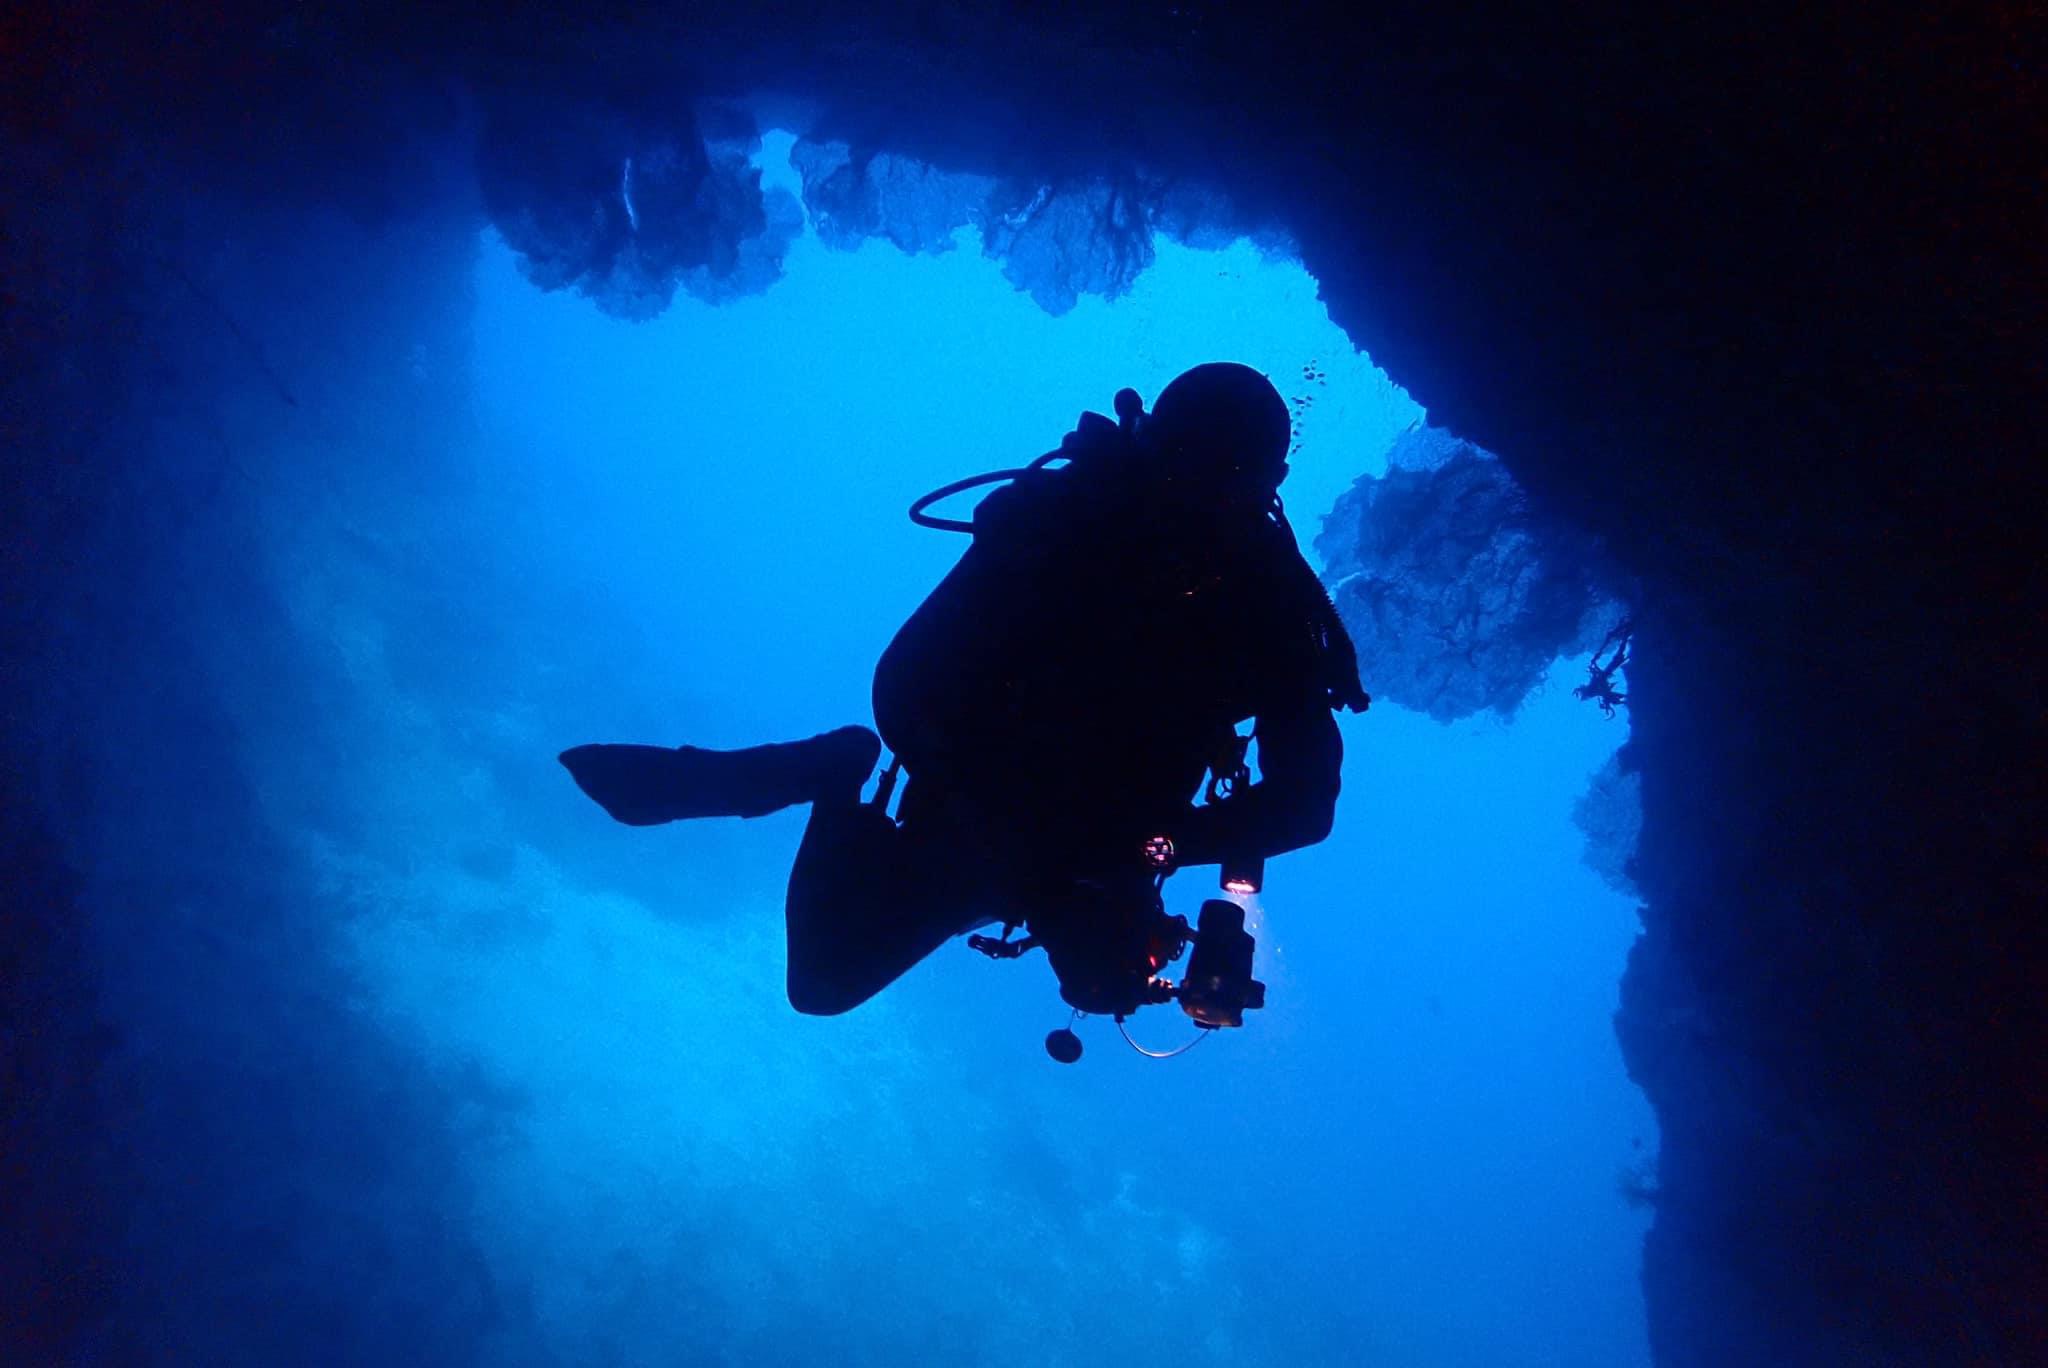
{"x":1200,"y":1036}
{"x":947,"y":491}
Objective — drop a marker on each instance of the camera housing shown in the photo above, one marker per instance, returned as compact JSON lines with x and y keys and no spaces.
{"x":1219,"y":988}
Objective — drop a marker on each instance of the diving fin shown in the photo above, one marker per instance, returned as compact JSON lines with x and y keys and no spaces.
{"x":637,"y":785}
{"x":649,"y":785}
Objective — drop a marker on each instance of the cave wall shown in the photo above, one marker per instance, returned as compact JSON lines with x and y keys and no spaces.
{"x":199,"y":1128}
{"x":1753,"y":299}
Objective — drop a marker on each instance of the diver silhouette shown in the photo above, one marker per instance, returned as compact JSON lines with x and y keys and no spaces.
{"x":1127,"y":601}
{"x":1599,"y":686}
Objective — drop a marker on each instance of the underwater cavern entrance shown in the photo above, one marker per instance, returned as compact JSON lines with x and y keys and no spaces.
{"x":437,"y":1058}
{"x":1753,"y":300}
{"x":697,"y":525}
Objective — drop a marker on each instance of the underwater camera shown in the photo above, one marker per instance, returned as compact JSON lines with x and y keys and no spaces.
{"x":1108,"y":946}
{"x":1219,"y":988}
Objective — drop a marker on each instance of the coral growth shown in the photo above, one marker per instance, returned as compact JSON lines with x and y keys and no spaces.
{"x":1458,"y":596}
{"x":627,"y":211}
{"x":1056,"y":242}
{"x":1610,"y":814}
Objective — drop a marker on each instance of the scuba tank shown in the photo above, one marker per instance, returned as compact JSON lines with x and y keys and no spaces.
{"x":950,"y":658}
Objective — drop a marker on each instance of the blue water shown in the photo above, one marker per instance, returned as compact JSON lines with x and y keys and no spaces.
{"x":692,"y":530}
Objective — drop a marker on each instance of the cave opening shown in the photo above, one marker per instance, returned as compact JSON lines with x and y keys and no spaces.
{"x":1755,"y":302}
{"x":690,"y":528}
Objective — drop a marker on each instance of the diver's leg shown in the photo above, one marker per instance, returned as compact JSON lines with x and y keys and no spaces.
{"x":648,"y":785}
{"x":867,"y":900}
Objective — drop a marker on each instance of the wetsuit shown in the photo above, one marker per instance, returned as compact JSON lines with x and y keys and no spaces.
{"x":1056,"y":701}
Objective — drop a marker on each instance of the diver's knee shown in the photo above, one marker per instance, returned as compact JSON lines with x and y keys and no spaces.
{"x":1311,"y":825}
{"x":812,"y":997}
{"x":1322,"y":821}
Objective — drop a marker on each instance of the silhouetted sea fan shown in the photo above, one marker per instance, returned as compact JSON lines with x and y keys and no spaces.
{"x":1457,"y":597}
{"x":1610,"y":813}
{"x":628,"y":214}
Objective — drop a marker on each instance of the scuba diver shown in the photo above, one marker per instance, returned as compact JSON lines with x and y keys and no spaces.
{"x":1052,"y":707}
{"x":1599,"y":686}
